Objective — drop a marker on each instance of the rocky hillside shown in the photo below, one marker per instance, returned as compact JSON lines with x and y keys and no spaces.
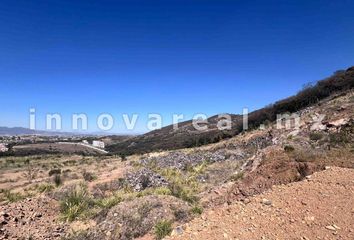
{"x":236,"y":181}
{"x":186,"y":136}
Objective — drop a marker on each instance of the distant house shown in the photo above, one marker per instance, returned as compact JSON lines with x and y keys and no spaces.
{"x":85,"y":142}
{"x":98,"y":144}
{"x":3,"y":148}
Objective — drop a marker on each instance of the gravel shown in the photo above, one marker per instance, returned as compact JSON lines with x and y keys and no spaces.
{"x":145,"y":178}
{"x":180,"y":160}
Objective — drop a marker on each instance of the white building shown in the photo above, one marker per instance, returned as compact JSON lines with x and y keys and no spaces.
{"x":98,"y":144}
{"x":85,"y":142}
{"x":3,"y":148}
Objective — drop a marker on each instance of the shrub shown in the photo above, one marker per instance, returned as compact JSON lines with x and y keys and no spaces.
{"x":182,"y":192}
{"x":45,"y":187}
{"x":339,"y":138}
{"x":88,"y":176}
{"x":123,"y":157}
{"x":155,"y":191}
{"x":163,"y":229}
{"x":76,"y":203}
{"x":197,"y":210}
{"x":180,"y":214}
{"x":162,"y":191}
{"x":57,"y":180}
{"x":237,"y":176}
{"x":11,"y":196}
{"x":109,"y":202}
{"x":182,"y":186}
{"x":315,"y":136}
{"x":289,"y":148}
{"x":54,"y":171}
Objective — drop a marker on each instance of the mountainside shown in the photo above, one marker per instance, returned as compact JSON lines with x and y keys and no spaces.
{"x":186,"y":136}
{"x":17,"y":131}
{"x":246,"y":182}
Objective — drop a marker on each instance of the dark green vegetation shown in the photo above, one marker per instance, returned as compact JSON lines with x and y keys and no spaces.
{"x":162,"y":229}
{"x":166,"y":138}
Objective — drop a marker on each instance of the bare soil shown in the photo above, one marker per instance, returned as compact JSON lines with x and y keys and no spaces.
{"x":320,"y":207}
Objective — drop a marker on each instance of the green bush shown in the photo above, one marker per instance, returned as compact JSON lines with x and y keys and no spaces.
{"x":183,"y":186}
{"x":12,"y":196}
{"x":109,"y":202}
{"x":197,"y":210}
{"x":315,"y":136}
{"x":76,"y":203}
{"x":155,"y":191}
{"x":185,"y":193}
{"x":54,"y":171}
{"x":45,"y":187}
{"x":163,"y":229}
{"x":289,"y":148}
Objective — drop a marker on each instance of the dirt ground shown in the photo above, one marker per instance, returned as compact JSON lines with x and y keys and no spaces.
{"x":31,"y":219}
{"x":320,"y":207}
{"x":25,"y":174}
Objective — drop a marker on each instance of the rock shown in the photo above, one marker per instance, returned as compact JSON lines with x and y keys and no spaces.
{"x":181,"y":160}
{"x":145,"y":178}
{"x":246,"y":200}
{"x":336,"y":227}
{"x":177,"y":231}
{"x":331,"y":228}
{"x":338,"y":123}
{"x":266,"y":202}
{"x":318,"y":126}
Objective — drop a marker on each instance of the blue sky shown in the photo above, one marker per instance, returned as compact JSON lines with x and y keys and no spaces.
{"x":164,"y":56}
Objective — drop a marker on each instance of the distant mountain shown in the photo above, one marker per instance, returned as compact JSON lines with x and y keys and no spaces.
{"x":186,"y":136}
{"x":6,"y":131}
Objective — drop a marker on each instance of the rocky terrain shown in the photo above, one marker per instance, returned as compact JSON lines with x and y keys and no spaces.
{"x":320,"y":207}
{"x":270,"y":182}
{"x":31,"y":219}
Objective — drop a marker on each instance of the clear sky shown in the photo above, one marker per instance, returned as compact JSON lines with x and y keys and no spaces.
{"x":164,"y":56}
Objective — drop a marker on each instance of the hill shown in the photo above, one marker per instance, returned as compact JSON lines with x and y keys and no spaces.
{"x":17,"y":131}
{"x":237,"y":181}
{"x":186,"y":136}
